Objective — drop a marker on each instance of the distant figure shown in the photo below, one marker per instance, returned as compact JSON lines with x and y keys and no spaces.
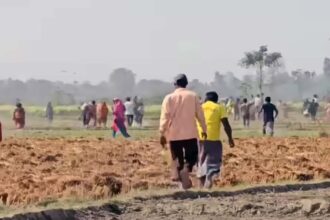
{"x":19,"y":116}
{"x":313,"y":108}
{"x":237,"y":113}
{"x":268,"y":110}
{"x":245,"y":112}
{"x":257,"y":105}
{"x":327,"y":111}
{"x":283,"y":106}
{"x":210,"y":149}
{"x":305,"y":107}
{"x":138,"y":111}
{"x":178,"y":127}
{"x":253,"y":110}
{"x":316,"y":98}
{"x":50,"y":112}
{"x":119,"y":118}
{"x":85,"y":114}
{"x":129,"y":113}
{"x":92,"y":113}
{"x":102,"y":112}
{"x":230,"y":106}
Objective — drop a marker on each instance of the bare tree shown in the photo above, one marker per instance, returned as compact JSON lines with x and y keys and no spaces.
{"x":259,"y":60}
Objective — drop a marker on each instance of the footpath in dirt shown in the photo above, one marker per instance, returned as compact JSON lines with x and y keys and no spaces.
{"x":309,"y":201}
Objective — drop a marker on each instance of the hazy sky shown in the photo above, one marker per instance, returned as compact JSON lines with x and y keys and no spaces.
{"x":86,"y":39}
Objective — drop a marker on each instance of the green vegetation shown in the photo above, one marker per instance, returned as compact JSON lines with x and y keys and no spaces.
{"x":67,"y":124}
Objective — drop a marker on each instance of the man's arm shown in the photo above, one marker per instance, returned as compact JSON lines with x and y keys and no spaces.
{"x":164,"y":117}
{"x":228,"y":130}
{"x":276,"y":111}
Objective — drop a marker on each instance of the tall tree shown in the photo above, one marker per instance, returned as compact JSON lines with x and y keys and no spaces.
{"x":303,"y":79}
{"x":122,"y":82}
{"x":259,"y":60}
{"x":326,"y":67}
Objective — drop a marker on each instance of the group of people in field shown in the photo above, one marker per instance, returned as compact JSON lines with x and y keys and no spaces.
{"x":311,"y":107}
{"x":124,"y":113}
{"x":95,"y":115}
{"x":250,"y":110}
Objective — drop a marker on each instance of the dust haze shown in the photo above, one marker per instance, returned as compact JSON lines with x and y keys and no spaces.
{"x":72,"y":51}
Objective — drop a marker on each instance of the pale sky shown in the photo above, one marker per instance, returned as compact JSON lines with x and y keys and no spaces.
{"x":82,"y":40}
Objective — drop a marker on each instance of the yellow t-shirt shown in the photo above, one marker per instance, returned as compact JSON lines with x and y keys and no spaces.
{"x":213,"y":113}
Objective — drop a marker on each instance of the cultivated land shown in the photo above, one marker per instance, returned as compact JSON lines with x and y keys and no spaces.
{"x":62,"y":165}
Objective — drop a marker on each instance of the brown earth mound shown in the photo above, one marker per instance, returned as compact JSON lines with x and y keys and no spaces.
{"x":37,"y":170}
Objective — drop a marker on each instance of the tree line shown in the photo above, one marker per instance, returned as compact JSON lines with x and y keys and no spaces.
{"x":270,"y":78}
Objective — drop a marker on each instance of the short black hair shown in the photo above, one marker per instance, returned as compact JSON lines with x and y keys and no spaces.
{"x":128,"y":99}
{"x":268,"y":99}
{"x":212,"y":96}
{"x":245,"y":100}
{"x":181,"y":80}
{"x":93,"y":102}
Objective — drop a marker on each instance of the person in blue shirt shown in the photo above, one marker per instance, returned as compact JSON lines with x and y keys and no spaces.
{"x":270,"y":114}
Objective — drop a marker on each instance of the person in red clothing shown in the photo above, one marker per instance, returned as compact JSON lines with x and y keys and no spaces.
{"x":102,"y":112}
{"x":19,"y":116}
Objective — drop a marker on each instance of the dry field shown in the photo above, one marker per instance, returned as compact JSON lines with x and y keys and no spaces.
{"x":35,"y":170}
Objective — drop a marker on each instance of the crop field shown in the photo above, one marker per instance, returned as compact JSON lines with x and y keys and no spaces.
{"x":48,"y":163}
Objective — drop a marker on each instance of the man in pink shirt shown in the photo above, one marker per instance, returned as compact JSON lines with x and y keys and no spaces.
{"x":178,"y":126}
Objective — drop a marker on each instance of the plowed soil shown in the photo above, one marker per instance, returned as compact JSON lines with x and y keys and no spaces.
{"x":35,"y":170}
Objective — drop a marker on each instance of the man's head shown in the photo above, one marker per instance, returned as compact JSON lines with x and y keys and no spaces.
{"x":268,"y":99}
{"x":212,"y":96}
{"x":93,"y":102}
{"x":258,"y":96}
{"x":128,"y":99}
{"x":245,"y":100}
{"x":181,"y":81}
{"x":19,"y":105}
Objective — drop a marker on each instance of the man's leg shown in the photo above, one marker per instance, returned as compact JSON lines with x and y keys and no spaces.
{"x":201,"y":170}
{"x":270,"y":126}
{"x":264,"y":128}
{"x":177,"y":159}
{"x":191,"y":153}
{"x":214,"y":160}
{"x":191,"y":158}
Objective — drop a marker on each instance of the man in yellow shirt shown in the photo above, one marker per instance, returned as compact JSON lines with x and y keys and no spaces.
{"x":210,"y":152}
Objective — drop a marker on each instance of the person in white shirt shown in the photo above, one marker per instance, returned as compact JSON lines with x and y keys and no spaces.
{"x":129,"y":113}
{"x":257,"y":105}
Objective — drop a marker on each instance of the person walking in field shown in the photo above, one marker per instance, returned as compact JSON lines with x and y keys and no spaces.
{"x":129,"y":113}
{"x":178,"y":127}
{"x":313,"y":108}
{"x":245,"y":112}
{"x":102,"y":112}
{"x":92,"y":113}
{"x":237,"y":112}
{"x":257,"y":105}
{"x":119,"y":118}
{"x":210,"y":151}
{"x":50,"y":112}
{"x":270,"y":114}
{"x":327,"y":111}
{"x":19,"y":116}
